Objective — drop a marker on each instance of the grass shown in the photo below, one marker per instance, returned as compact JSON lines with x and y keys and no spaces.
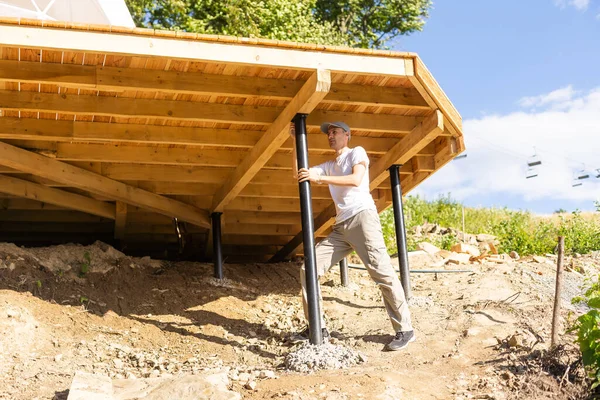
{"x":520,"y":231}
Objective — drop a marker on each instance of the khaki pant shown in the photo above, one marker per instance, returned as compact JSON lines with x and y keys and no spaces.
{"x":362,"y":232}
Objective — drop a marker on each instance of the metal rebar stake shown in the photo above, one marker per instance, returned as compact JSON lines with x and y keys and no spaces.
{"x":310,"y":259}
{"x":400,"y":229}
{"x":344,"y":271}
{"x":217,"y":250}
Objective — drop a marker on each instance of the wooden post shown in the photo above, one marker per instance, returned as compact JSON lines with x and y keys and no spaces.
{"x":556,"y":313}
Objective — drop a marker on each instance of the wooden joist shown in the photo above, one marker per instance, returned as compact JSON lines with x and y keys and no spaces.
{"x":307,"y":98}
{"x":189,"y":110}
{"x":34,"y":191}
{"x":45,"y":167}
{"x":67,"y":131}
{"x":97,"y":77}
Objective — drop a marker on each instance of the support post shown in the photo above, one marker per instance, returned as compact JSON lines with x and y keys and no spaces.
{"x":310,"y":259}
{"x":344,"y":271}
{"x":557,"y":292}
{"x":217,"y":250}
{"x":400,"y":229}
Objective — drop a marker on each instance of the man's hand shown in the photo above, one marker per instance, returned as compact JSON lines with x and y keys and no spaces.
{"x":293,"y":130}
{"x":308,"y":175}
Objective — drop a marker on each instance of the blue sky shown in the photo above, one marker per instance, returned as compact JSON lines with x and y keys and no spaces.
{"x":525,"y":76}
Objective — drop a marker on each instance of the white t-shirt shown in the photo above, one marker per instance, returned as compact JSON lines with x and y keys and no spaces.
{"x":349,"y":200}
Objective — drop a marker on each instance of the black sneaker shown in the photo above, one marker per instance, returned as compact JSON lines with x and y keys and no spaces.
{"x":305,"y":335}
{"x":401,"y":340}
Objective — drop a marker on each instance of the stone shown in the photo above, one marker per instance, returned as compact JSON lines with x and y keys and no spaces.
{"x":484,"y":237}
{"x":86,"y":386}
{"x":58,"y":357}
{"x":466,"y":248}
{"x":428,"y":248}
{"x":118,"y":363}
{"x":540,"y":259}
{"x":459,"y":258}
{"x":514,"y":255}
{"x":250,"y":385}
{"x":189,"y":387}
{"x":266,"y":374}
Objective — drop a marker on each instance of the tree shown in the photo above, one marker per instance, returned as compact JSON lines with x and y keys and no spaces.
{"x":357,"y":23}
{"x":597,"y":204}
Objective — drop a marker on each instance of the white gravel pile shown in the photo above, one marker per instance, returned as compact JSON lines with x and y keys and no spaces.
{"x":308,"y":358}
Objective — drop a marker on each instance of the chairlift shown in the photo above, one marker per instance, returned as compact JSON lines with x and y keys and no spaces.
{"x":598,"y":173}
{"x":460,"y":157}
{"x":534,"y":160}
{"x":531,"y":173}
{"x":583,"y":174}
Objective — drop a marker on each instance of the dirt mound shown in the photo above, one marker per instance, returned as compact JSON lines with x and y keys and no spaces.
{"x":128,"y":317}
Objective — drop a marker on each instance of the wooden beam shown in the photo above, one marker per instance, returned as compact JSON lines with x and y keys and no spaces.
{"x":67,"y":131}
{"x":189,"y":48}
{"x":309,"y":96}
{"x":271,"y":205}
{"x":34,"y":191}
{"x":45,"y":167}
{"x":58,"y":216}
{"x":256,"y":217}
{"x":189,"y":110}
{"x":97,"y":77}
{"x":26,"y":204}
{"x":120,"y":220}
{"x":401,"y":153}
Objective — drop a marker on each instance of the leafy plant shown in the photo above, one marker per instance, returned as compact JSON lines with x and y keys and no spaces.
{"x":587,"y":327}
{"x":85,"y":265}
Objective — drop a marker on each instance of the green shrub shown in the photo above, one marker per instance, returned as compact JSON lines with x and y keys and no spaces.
{"x":516,"y":230}
{"x":588,"y":331}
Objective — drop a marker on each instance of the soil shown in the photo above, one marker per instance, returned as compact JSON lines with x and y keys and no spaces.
{"x":482,"y":334}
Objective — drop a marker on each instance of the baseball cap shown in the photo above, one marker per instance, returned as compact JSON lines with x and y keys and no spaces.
{"x":339,"y":124}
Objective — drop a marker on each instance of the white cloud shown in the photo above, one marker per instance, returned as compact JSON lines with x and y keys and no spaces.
{"x":581,"y":5}
{"x":565,"y":131}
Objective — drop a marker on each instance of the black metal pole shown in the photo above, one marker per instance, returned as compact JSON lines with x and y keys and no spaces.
{"x":400,"y":229}
{"x":344,"y":271}
{"x":308,"y":230}
{"x":217,"y":251}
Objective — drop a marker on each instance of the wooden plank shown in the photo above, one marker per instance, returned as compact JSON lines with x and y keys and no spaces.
{"x":67,"y":131}
{"x":190,"y":111}
{"x":58,"y":216}
{"x":34,"y":191}
{"x":165,"y":155}
{"x":120,"y":219}
{"x":208,"y":189}
{"x":256,"y":217}
{"x":311,"y":94}
{"x":272,"y":205}
{"x":401,"y":153}
{"x":61,"y":172}
{"x":268,"y":240}
{"x":197,"y":50}
{"x":108,"y":78}
{"x":26,"y":204}
{"x":179,"y":173}
{"x":52,"y":227}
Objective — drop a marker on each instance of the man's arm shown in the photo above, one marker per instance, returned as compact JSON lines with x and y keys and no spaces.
{"x":354,"y":179}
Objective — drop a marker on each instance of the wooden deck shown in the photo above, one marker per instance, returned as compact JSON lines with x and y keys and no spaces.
{"x":110,"y":133}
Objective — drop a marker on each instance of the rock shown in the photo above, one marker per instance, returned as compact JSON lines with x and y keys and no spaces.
{"x":244,"y":377}
{"x":540,"y":259}
{"x":87,"y":386}
{"x":58,"y":357}
{"x":251,"y":385}
{"x":514,"y":255}
{"x":466,"y":248}
{"x":484,"y":237}
{"x":12,"y":313}
{"x":266,"y":374}
{"x":428,"y":248}
{"x":459,"y":258}
{"x":189,"y":387}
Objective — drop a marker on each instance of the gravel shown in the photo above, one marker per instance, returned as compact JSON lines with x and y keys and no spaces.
{"x":309,"y":358}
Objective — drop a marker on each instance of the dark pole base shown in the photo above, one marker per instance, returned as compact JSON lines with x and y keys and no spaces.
{"x":217,"y":250}
{"x":344,"y":272}
{"x":400,"y":230}
{"x":308,"y":231}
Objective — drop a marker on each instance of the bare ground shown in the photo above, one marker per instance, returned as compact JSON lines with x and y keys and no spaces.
{"x":480,"y":335}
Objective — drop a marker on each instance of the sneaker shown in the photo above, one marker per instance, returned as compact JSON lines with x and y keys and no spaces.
{"x":401,"y":340}
{"x":305,"y":335}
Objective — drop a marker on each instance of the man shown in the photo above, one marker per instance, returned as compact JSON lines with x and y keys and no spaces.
{"x":357,"y":227}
